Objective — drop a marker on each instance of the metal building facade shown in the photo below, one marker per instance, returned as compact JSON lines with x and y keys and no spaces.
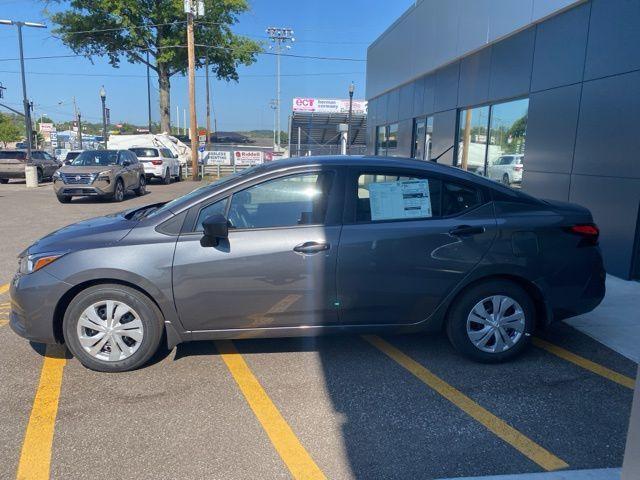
{"x":577,"y":63}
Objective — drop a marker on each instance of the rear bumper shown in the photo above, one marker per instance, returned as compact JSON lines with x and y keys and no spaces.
{"x":34,"y":298}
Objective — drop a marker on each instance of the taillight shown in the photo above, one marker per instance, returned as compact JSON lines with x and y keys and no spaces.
{"x":518,"y":168}
{"x":588,"y":231}
{"x":156,"y":162}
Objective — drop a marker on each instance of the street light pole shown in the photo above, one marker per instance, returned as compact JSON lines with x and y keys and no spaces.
{"x":352,"y":87}
{"x":149,"y":93}
{"x":103,"y":97}
{"x":25,"y":103}
{"x":279,"y":36}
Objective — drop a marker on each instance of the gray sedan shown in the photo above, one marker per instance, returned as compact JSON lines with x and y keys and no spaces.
{"x":313,"y":246}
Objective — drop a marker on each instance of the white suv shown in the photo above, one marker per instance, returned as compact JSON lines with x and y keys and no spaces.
{"x":159,"y":163}
{"x":507,"y":169}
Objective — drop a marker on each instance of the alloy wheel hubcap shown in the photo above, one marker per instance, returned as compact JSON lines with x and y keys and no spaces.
{"x":496,"y":324}
{"x":110,"y":330}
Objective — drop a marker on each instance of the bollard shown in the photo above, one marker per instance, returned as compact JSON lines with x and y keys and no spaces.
{"x":31,"y":176}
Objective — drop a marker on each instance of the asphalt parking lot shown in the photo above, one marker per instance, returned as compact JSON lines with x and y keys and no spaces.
{"x":333,"y":407}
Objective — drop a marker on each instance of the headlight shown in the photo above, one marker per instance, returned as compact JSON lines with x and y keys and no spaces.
{"x":56,"y":175}
{"x":33,"y":263}
{"x":102,"y":176}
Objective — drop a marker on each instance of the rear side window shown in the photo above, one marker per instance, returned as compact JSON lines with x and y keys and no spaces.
{"x":395,"y":197}
{"x":456,"y":198}
{"x":166,"y":153}
{"x":12,"y":155}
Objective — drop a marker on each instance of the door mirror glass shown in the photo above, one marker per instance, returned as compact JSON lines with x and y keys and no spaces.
{"x":126,"y":163}
{"x":215,"y":227}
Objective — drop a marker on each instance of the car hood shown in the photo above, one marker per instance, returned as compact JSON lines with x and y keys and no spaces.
{"x":92,"y":233}
{"x":71,"y":169}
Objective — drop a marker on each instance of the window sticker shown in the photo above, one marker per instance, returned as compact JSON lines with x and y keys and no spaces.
{"x":400,"y":200}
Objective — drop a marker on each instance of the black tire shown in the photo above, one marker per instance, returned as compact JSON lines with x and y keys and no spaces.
{"x":142,"y":186}
{"x":64,"y":198}
{"x":167,"y":177}
{"x":464,"y":304}
{"x":505,"y":179}
{"x":4,"y":181}
{"x":179,"y":177}
{"x":149,"y":314}
{"x":40,"y":177}
{"x":118,"y":191}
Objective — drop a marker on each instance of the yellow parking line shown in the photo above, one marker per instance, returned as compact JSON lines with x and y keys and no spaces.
{"x":584,"y":363}
{"x":35,"y":459}
{"x":293,"y":454}
{"x":513,"y":437}
{"x":4,"y":288}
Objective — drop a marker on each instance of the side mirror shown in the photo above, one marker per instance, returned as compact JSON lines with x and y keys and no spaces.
{"x":126,"y":163}
{"x":215,"y":228}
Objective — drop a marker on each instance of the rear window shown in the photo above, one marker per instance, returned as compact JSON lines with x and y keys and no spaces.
{"x":72,"y":155}
{"x":145,"y":152}
{"x":11,"y":155}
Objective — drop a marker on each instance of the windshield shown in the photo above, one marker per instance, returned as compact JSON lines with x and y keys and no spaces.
{"x":72,"y":155}
{"x":209,"y":187}
{"x":145,"y":152}
{"x":96,"y":158}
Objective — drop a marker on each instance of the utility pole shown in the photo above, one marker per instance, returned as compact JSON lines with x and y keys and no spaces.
{"x":274,"y":106}
{"x":103,"y":97}
{"x":352,"y":87}
{"x":77,"y":113}
{"x":206,"y":76}
{"x":192,"y":7}
{"x":279,"y":37}
{"x":25,"y":103}
{"x":149,"y":92}
{"x":178,"y":120}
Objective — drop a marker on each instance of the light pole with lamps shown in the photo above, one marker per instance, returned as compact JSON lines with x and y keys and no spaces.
{"x":103,"y":97}
{"x":352,"y":87}
{"x":25,"y":102}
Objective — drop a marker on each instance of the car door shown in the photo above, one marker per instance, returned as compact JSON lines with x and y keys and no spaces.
{"x":277,"y":267}
{"x":49,"y":165}
{"x":124,"y":160}
{"x":408,"y":239}
{"x":167,"y":157}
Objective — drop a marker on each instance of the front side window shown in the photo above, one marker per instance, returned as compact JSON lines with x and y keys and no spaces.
{"x":289,"y":201}
{"x":456,"y":198}
{"x":396,"y":197}
{"x":218,"y":207}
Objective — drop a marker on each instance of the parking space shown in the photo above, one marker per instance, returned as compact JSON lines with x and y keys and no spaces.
{"x":332,"y":407}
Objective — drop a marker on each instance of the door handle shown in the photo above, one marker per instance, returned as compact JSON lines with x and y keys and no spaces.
{"x":464,"y":230}
{"x":311,"y":247}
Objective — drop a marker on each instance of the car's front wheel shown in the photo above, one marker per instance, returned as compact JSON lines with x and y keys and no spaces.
{"x":64,"y":198}
{"x":118,"y":192}
{"x":491,"y":321}
{"x":4,"y":180}
{"x":112,"y":328}
{"x":167,"y":177}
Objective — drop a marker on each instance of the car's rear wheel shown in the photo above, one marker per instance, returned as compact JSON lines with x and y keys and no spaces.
{"x":179,"y":177}
{"x":118,"y":192}
{"x":491,"y":321}
{"x":112,"y":328}
{"x":64,"y":198}
{"x":142,"y":186}
{"x":167,"y":177}
{"x":505,"y":179}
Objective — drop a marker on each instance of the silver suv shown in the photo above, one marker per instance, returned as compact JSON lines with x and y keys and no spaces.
{"x":101,"y":173}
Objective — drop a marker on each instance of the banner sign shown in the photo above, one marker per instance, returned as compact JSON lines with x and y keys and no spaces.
{"x":248,"y":157}
{"x":217,"y":157}
{"x":328,"y":105}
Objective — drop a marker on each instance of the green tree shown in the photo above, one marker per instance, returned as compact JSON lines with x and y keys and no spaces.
{"x":9,"y":131}
{"x":130,"y":29}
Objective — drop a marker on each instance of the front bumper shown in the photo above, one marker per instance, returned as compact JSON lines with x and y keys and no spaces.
{"x":34,"y":298}
{"x":97,"y":188}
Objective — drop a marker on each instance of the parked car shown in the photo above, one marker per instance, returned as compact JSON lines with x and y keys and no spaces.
{"x":159,"y":163}
{"x":100,"y":173}
{"x":507,"y":169}
{"x":339,"y":244}
{"x":12,"y":163}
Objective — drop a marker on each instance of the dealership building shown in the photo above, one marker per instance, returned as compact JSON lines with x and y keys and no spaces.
{"x":542,"y":95}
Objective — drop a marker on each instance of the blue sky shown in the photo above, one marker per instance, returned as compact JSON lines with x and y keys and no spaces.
{"x":338,"y":28}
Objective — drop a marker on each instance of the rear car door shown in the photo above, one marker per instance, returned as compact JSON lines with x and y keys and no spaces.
{"x":408,"y":239}
{"x":167,"y":158}
{"x":277,"y":267}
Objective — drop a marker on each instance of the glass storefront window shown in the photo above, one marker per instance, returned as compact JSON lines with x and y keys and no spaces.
{"x":507,"y":135}
{"x":422,"y":131}
{"x":392,"y":139}
{"x":491,"y":141}
{"x":381,"y":140}
{"x":472,"y":139}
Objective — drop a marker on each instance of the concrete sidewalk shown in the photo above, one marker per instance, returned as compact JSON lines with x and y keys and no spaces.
{"x":598,"y":474}
{"x":616,"y":321}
